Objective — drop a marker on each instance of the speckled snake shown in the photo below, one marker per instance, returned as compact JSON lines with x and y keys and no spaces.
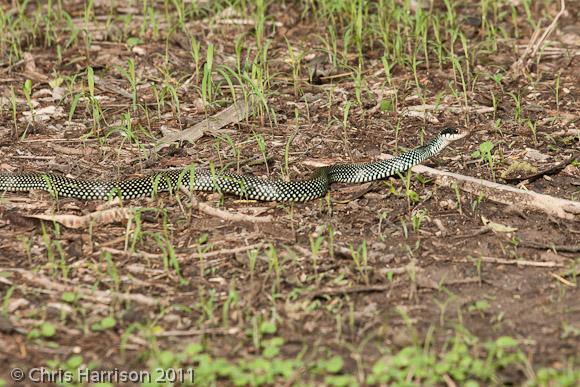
{"x":246,"y":186}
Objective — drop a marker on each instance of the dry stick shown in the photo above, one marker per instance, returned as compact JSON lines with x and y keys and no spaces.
{"x":517,"y":262}
{"x":198,"y":332}
{"x":105,"y":297}
{"x":563,"y":280}
{"x":182,"y":255}
{"x":225,"y":215}
{"x":550,"y":246}
{"x":535,"y":43}
{"x":505,"y":194}
{"x":421,"y":282}
{"x":238,"y":111}
{"x":348,"y":290}
{"x":479,"y":109}
{"x":107,"y":216}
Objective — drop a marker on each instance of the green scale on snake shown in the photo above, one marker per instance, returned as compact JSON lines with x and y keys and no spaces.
{"x":245,"y":186}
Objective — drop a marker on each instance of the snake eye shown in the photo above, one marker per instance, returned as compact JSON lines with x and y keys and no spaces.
{"x":449,"y":131}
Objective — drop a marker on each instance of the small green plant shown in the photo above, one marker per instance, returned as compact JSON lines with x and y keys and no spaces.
{"x":252,"y":260}
{"x":404,"y":228}
{"x":479,"y":306}
{"x":260,"y":21}
{"x":13,"y":105}
{"x":27,"y":90}
{"x":360,"y":259}
{"x":96,"y":111}
{"x":485,"y":154}
{"x":207,"y":86}
{"x":131,"y":77}
{"x":457,"y":363}
{"x":286,"y":170}
{"x":532,"y":125}
{"x":6,"y":299}
{"x":345,"y":113}
{"x":112,"y":271}
{"x":195,"y":51}
{"x":358,"y":85}
{"x":44,"y":330}
{"x":104,"y":324}
{"x":557,"y":90}
{"x":518,"y":106}
{"x":417,"y":219}
{"x":315,"y":246}
{"x":262,"y":147}
{"x":412,"y":196}
{"x":274,"y":264}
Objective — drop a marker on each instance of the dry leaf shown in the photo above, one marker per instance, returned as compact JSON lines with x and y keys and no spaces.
{"x":497,"y":227}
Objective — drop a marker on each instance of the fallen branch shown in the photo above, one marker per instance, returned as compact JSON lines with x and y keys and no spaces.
{"x":225,"y":215}
{"x":504,"y":194}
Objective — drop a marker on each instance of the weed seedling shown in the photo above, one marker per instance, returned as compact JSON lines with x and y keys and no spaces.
{"x":485,"y":155}
{"x":315,"y":246}
{"x":262,"y":147}
{"x":27,"y":90}
{"x":129,"y":74}
{"x":360,"y":259}
{"x":252,"y":260}
{"x":417,"y":219}
{"x":207,"y":82}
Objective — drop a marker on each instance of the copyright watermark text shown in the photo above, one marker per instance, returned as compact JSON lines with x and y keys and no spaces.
{"x":86,"y":375}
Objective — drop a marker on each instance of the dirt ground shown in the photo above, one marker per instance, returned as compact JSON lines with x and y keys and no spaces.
{"x":326,"y":290}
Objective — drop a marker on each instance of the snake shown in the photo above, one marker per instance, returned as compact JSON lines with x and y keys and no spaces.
{"x":242,"y":185}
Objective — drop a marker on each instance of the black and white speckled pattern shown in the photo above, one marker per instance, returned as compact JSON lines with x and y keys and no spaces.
{"x":245,"y":186}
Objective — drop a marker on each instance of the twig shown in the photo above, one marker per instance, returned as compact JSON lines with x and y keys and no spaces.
{"x":225,"y":215}
{"x":235,"y":250}
{"x":517,"y":262}
{"x":549,"y":246}
{"x":563,"y":280}
{"x":452,"y":109}
{"x":421,"y":282}
{"x":181,"y":255}
{"x":198,"y":332}
{"x":110,"y":215}
{"x":348,"y":290}
{"x":105,"y":297}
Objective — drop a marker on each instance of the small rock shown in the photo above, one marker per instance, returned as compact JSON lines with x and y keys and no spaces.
{"x":17,"y":303}
{"x":534,"y":154}
{"x":5,"y":324}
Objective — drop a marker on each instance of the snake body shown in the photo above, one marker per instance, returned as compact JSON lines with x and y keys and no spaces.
{"x":246,"y":186}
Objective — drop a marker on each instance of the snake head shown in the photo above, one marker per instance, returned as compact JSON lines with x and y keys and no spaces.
{"x":452,"y":134}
